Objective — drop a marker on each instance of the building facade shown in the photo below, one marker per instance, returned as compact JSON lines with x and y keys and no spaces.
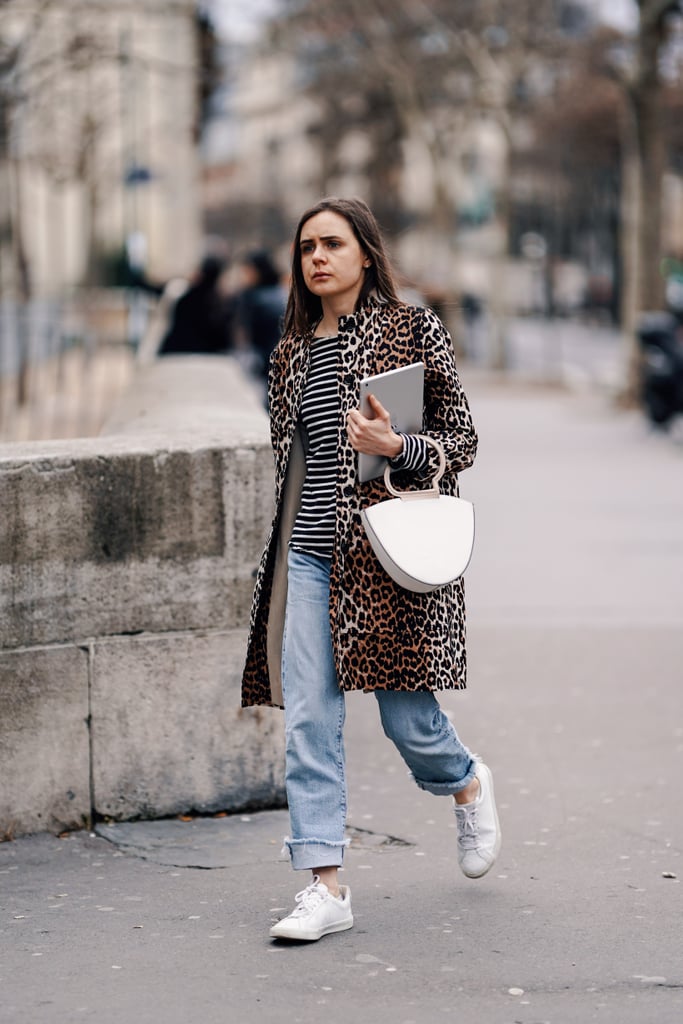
{"x":99,"y":148}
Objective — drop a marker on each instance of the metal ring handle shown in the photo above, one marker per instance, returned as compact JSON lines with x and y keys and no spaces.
{"x":432,"y":491}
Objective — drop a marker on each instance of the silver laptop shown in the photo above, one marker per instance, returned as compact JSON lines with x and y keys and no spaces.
{"x":401,"y":392}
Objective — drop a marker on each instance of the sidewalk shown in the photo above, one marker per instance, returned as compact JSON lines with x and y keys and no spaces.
{"x":575,"y":599}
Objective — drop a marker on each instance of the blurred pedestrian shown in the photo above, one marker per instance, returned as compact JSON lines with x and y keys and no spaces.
{"x":472,"y":313}
{"x":201,"y":319}
{"x":326,"y":618}
{"x":260,"y":308}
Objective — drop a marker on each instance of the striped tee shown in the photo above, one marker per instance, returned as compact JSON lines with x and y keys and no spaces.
{"x":313,"y":530}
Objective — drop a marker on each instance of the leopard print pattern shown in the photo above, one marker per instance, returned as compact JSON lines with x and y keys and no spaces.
{"x":384,"y":637}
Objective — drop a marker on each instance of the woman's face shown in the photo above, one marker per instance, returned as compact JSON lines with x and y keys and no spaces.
{"x":332,"y":261}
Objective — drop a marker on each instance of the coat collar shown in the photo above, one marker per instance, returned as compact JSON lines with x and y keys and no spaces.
{"x":358,"y":336}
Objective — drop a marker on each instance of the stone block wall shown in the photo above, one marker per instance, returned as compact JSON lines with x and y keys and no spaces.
{"x":126,"y":571}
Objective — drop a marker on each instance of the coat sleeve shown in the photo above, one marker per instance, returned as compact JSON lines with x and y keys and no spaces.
{"x":447,"y":414}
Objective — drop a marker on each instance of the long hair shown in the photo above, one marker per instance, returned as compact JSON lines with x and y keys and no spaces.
{"x":304,"y":309}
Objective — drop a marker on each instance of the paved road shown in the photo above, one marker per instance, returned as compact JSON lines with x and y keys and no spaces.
{"x":576,"y":647}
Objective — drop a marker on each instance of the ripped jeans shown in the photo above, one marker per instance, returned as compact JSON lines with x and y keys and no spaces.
{"x":314,"y":724}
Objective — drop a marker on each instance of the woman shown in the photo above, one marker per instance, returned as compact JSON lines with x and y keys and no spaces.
{"x":201,"y":321}
{"x":326,"y":618}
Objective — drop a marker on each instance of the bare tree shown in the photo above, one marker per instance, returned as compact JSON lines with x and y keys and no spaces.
{"x":638,"y":66}
{"x":15,"y":272}
{"x":66,"y":76}
{"x":425,"y":72}
{"x":645,"y":93}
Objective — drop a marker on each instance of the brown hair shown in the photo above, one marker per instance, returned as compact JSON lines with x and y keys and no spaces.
{"x":304,"y":309}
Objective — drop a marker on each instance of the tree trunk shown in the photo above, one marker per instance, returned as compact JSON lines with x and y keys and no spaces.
{"x":631,"y":248}
{"x":647,"y":107}
{"x":498,"y":301}
{"x":22,"y":286}
{"x":643,"y":158}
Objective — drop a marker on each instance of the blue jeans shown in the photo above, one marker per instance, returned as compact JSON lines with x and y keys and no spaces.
{"x":314,"y":725}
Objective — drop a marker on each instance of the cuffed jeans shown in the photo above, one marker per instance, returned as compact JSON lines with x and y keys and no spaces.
{"x":314,"y":725}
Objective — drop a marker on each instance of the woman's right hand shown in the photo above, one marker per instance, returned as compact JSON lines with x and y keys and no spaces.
{"x":373,"y":436}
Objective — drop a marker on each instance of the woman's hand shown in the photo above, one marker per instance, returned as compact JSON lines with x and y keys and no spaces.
{"x":373,"y":436}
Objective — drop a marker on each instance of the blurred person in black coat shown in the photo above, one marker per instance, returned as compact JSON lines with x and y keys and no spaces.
{"x":201,"y":321}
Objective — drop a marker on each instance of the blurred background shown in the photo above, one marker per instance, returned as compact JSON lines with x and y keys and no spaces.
{"x":525,"y":160}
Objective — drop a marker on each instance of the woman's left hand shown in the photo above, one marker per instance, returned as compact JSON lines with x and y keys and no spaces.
{"x":373,"y":436}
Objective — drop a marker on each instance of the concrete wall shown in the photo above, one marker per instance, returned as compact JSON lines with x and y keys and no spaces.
{"x":126,"y":572}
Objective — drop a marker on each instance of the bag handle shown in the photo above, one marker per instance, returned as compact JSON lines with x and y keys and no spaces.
{"x":431,"y":492}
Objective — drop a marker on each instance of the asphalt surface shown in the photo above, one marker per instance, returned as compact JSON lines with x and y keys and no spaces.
{"x":575,"y":598}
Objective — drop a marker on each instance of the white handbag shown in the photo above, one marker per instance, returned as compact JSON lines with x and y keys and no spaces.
{"x":422,"y":539}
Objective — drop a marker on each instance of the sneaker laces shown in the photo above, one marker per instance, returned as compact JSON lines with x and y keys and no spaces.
{"x":309,"y":898}
{"x":468,"y":827}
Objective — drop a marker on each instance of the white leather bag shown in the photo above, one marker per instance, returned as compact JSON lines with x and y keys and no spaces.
{"x":422,"y":539}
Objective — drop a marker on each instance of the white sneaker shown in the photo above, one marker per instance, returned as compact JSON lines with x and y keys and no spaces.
{"x":479,"y":835}
{"x":317,"y":913}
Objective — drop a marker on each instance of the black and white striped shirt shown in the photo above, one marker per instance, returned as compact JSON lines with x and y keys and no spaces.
{"x":314,"y":526}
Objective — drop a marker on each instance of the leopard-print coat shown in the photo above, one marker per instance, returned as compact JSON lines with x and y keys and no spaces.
{"x":384,"y":637}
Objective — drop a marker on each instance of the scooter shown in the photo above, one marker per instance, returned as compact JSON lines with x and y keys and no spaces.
{"x":661,"y":340}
